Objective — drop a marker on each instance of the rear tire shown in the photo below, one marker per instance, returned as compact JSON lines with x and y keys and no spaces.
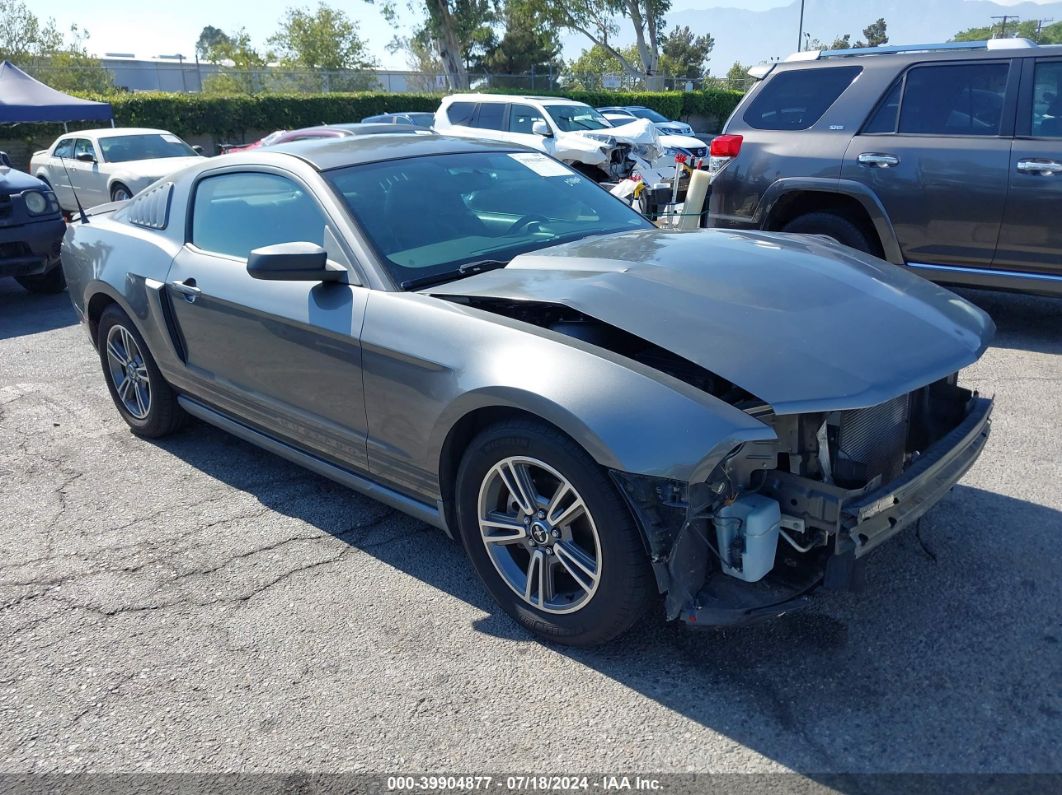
{"x":146,"y":402}
{"x":120,"y":193}
{"x":835,"y":226}
{"x":47,"y":283}
{"x":589,"y":573}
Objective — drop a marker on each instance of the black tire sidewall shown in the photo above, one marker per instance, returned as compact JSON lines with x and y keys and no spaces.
{"x":120,"y":186}
{"x":164,"y":414}
{"x":623,"y":592}
{"x":839,"y":228}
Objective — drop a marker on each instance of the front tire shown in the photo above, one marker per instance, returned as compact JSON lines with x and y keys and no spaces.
{"x":550,"y":536}
{"x":47,"y":283}
{"x":146,"y":402}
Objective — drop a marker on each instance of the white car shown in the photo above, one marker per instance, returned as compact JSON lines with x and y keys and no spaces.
{"x":110,"y":164}
{"x":568,"y":130}
{"x":622,"y":114}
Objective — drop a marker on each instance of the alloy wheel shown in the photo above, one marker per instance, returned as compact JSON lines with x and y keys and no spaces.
{"x":128,"y":372}
{"x":539,"y":535}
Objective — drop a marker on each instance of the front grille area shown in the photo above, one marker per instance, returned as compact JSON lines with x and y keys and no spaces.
{"x":871,"y":442}
{"x":6,"y":206}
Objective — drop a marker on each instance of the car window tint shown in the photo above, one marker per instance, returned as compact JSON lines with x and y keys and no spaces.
{"x":461,"y":112}
{"x":64,"y":149}
{"x":1047,"y":100}
{"x":491,"y":115}
{"x":83,"y":147}
{"x":522,"y":118}
{"x":884,"y":118}
{"x":236,"y":213}
{"x":960,"y":99}
{"x":796,"y":100}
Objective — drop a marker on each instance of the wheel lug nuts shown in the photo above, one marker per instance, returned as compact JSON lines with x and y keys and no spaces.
{"x":555,"y":532}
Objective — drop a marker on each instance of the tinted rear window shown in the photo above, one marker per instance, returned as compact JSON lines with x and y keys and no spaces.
{"x":961,"y":99}
{"x":461,"y":112}
{"x":491,"y":115}
{"x":796,"y":100}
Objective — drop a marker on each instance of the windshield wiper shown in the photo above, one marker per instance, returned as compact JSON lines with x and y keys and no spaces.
{"x":468,"y":269}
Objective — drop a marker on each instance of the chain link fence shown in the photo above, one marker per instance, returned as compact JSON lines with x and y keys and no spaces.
{"x":196,"y":77}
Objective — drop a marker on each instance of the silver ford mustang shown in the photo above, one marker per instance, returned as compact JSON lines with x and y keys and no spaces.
{"x":602,"y":412}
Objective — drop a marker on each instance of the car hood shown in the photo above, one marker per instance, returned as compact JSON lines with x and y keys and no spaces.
{"x":12,"y":181}
{"x":681,"y":141}
{"x":155,"y":168}
{"x":798,"y":321}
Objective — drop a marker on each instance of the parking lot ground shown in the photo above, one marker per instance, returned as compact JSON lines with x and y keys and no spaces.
{"x":196,"y":604}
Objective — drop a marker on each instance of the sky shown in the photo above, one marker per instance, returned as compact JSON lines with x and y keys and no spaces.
{"x":151,"y":29}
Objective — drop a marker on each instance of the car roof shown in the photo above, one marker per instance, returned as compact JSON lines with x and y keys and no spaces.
{"x":110,"y":132}
{"x":327,"y":153}
{"x":513,"y":98}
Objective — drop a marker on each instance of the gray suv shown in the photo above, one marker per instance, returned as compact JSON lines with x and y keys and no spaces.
{"x":946,"y":158}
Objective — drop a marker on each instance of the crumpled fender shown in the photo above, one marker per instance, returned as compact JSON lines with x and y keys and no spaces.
{"x":577,"y":147}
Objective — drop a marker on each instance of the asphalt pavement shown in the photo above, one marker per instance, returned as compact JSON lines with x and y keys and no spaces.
{"x":197,"y":604}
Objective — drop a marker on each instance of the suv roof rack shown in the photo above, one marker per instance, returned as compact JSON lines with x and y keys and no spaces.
{"x":892,"y":49}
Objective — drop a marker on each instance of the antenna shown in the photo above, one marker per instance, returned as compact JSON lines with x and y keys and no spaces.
{"x":77,"y":201}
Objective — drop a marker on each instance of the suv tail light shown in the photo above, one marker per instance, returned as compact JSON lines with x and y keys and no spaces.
{"x":722,"y":150}
{"x":725,"y":146}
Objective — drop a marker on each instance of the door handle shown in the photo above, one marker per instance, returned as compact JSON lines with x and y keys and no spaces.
{"x":878,"y":160}
{"x":1043,"y":168}
{"x":188,"y":289}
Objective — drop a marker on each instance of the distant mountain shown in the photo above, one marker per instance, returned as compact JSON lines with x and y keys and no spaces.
{"x":751,"y":36}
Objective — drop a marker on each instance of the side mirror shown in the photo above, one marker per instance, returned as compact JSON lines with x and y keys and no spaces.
{"x":85,"y":157}
{"x":293,"y":262}
{"x":197,"y":149}
{"x":5,"y":160}
{"x":541,"y":128}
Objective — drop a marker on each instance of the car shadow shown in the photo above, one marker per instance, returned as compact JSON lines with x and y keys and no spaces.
{"x":1023,"y":322}
{"x":947,"y":662}
{"x":23,"y":312}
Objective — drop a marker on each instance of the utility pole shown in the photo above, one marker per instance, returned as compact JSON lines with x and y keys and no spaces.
{"x":1003,"y":24}
{"x":800,"y":30}
{"x":1040,"y":27}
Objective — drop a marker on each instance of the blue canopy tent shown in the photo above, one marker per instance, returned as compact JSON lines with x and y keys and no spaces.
{"x":25,"y":100}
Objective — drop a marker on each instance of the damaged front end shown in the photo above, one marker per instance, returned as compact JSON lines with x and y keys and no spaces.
{"x":774,"y":520}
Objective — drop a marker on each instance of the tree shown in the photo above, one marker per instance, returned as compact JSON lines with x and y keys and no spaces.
{"x":325,"y":39}
{"x":592,"y":65}
{"x":875,"y":34}
{"x":685,"y":55}
{"x":1029,"y":29}
{"x":236,"y":51}
{"x":208,"y":38}
{"x":528,"y":44}
{"x":839,"y":43}
{"x":737,"y":76}
{"x":45,"y":53}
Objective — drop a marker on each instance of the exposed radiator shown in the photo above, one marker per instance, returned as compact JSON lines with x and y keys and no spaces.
{"x":872,"y":442}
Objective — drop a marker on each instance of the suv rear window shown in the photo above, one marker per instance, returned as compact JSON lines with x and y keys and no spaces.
{"x":461,"y":112}
{"x":795,"y":100}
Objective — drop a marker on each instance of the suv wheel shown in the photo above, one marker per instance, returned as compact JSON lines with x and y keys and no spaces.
{"x":832,"y":225}
{"x":550,"y":536}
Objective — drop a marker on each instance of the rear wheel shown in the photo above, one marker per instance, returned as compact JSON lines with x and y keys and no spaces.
{"x":146,"y":402}
{"x":550,"y":536}
{"x":835,"y":226}
{"x":120,"y":193}
{"x":52,"y":281}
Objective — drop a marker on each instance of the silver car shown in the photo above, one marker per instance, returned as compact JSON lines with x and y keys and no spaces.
{"x":602,"y":412}
{"x":110,"y":164}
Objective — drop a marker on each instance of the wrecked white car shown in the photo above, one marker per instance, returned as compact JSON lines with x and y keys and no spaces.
{"x":567,"y":130}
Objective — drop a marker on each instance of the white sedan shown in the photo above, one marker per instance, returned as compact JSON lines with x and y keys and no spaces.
{"x":110,"y":164}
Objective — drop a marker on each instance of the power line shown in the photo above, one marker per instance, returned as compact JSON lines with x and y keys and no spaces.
{"x":1040,"y":27}
{"x":1003,"y":23}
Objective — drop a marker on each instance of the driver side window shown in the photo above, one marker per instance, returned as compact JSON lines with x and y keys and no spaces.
{"x":233,"y":214}
{"x":83,"y":147}
{"x":64,"y":149}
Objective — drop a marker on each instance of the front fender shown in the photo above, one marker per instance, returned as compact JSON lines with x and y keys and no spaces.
{"x":843,"y":187}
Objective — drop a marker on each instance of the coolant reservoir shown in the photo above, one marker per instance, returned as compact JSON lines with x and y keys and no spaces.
{"x":747,"y":534}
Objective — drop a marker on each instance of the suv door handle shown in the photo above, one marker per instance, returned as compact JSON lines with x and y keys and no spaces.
{"x":878,"y":160}
{"x":188,"y":289}
{"x":1043,"y":168}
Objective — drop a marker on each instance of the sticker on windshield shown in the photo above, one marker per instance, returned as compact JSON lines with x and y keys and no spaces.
{"x":541,"y":164}
{"x":170,"y":138}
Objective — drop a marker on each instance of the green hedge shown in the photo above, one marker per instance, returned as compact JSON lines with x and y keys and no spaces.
{"x":229,"y":117}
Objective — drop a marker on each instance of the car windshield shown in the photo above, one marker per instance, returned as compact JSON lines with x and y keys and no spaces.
{"x":428,"y":216}
{"x":144,"y":146}
{"x":572,"y":118}
{"x":422,"y":119}
{"x":647,"y":113}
